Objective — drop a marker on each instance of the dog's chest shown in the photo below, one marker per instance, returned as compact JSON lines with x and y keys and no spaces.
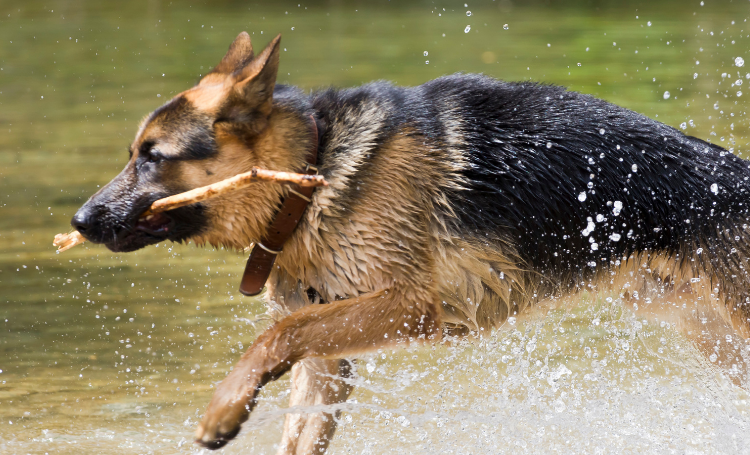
{"x":345,"y":262}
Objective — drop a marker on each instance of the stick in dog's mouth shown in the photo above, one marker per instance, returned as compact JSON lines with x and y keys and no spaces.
{"x":67,"y":241}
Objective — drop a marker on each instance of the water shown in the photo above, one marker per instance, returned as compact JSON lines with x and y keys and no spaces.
{"x":108,"y":353}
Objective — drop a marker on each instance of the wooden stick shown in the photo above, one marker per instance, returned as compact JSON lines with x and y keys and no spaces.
{"x":68,"y":241}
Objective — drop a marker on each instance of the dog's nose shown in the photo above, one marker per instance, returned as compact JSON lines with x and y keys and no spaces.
{"x":82,"y":220}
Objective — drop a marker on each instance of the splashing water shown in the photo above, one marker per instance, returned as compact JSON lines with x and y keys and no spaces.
{"x":555,"y":384}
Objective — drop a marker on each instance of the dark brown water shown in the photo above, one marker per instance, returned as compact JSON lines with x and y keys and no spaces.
{"x":108,"y":353}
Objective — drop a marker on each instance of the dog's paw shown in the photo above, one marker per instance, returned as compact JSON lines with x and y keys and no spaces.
{"x":229,"y":408}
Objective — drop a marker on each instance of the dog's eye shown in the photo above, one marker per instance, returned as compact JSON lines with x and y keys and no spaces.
{"x":154,"y":155}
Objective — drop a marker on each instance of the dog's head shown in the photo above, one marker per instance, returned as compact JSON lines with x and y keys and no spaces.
{"x":223,"y":126}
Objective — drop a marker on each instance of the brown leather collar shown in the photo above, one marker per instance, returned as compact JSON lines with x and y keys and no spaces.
{"x":264,"y":253}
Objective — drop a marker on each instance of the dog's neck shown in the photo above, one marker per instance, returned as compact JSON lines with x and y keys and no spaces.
{"x":293,"y":206}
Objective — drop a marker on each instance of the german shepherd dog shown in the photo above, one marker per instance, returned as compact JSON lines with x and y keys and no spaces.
{"x":452,"y":206}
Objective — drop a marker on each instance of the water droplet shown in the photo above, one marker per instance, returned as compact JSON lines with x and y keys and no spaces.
{"x":634,"y":168}
{"x":467,"y":29}
{"x":468,"y":13}
{"x":549,"y":145}
{"x":739,"y":61}
{"x":590,"y":227}
{"x":602,"y":131}
{"x":666,"y":95}
{"x":713,"y":358}
{"x":683,"y":125}
{"x":582,"y":196}
{"x":615,"y":237}
{"x":648,"y":23}
{"x":715,"y":188}
{"x":617,"y":208}
{"x":505,"y":27}
{"x":426,"y":53}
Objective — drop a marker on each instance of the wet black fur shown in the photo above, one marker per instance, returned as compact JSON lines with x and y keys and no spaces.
{"x":534,"y":148}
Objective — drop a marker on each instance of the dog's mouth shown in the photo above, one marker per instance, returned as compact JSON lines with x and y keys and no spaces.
{"x":148,"y":230}
{"x":133,"y":231}
{"x":157,"y":225}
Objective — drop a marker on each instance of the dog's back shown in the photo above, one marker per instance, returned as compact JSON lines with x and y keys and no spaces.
{"x":533,"y":190}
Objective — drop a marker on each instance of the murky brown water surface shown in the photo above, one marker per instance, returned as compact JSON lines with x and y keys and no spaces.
{"x":108,"y":353}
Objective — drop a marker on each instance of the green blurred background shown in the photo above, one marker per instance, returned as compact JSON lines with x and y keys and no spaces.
{"x":109,"y":353}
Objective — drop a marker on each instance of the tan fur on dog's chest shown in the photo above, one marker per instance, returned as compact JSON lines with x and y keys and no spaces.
{"x":368,"y":242}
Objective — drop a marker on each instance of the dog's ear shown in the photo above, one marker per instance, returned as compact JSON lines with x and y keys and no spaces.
{"x":254,"y":84}
{"x":240,"y":53}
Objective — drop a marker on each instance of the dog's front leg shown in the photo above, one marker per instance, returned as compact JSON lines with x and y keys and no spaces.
{"x":315,"y":382}
{"x":335,"y":330}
